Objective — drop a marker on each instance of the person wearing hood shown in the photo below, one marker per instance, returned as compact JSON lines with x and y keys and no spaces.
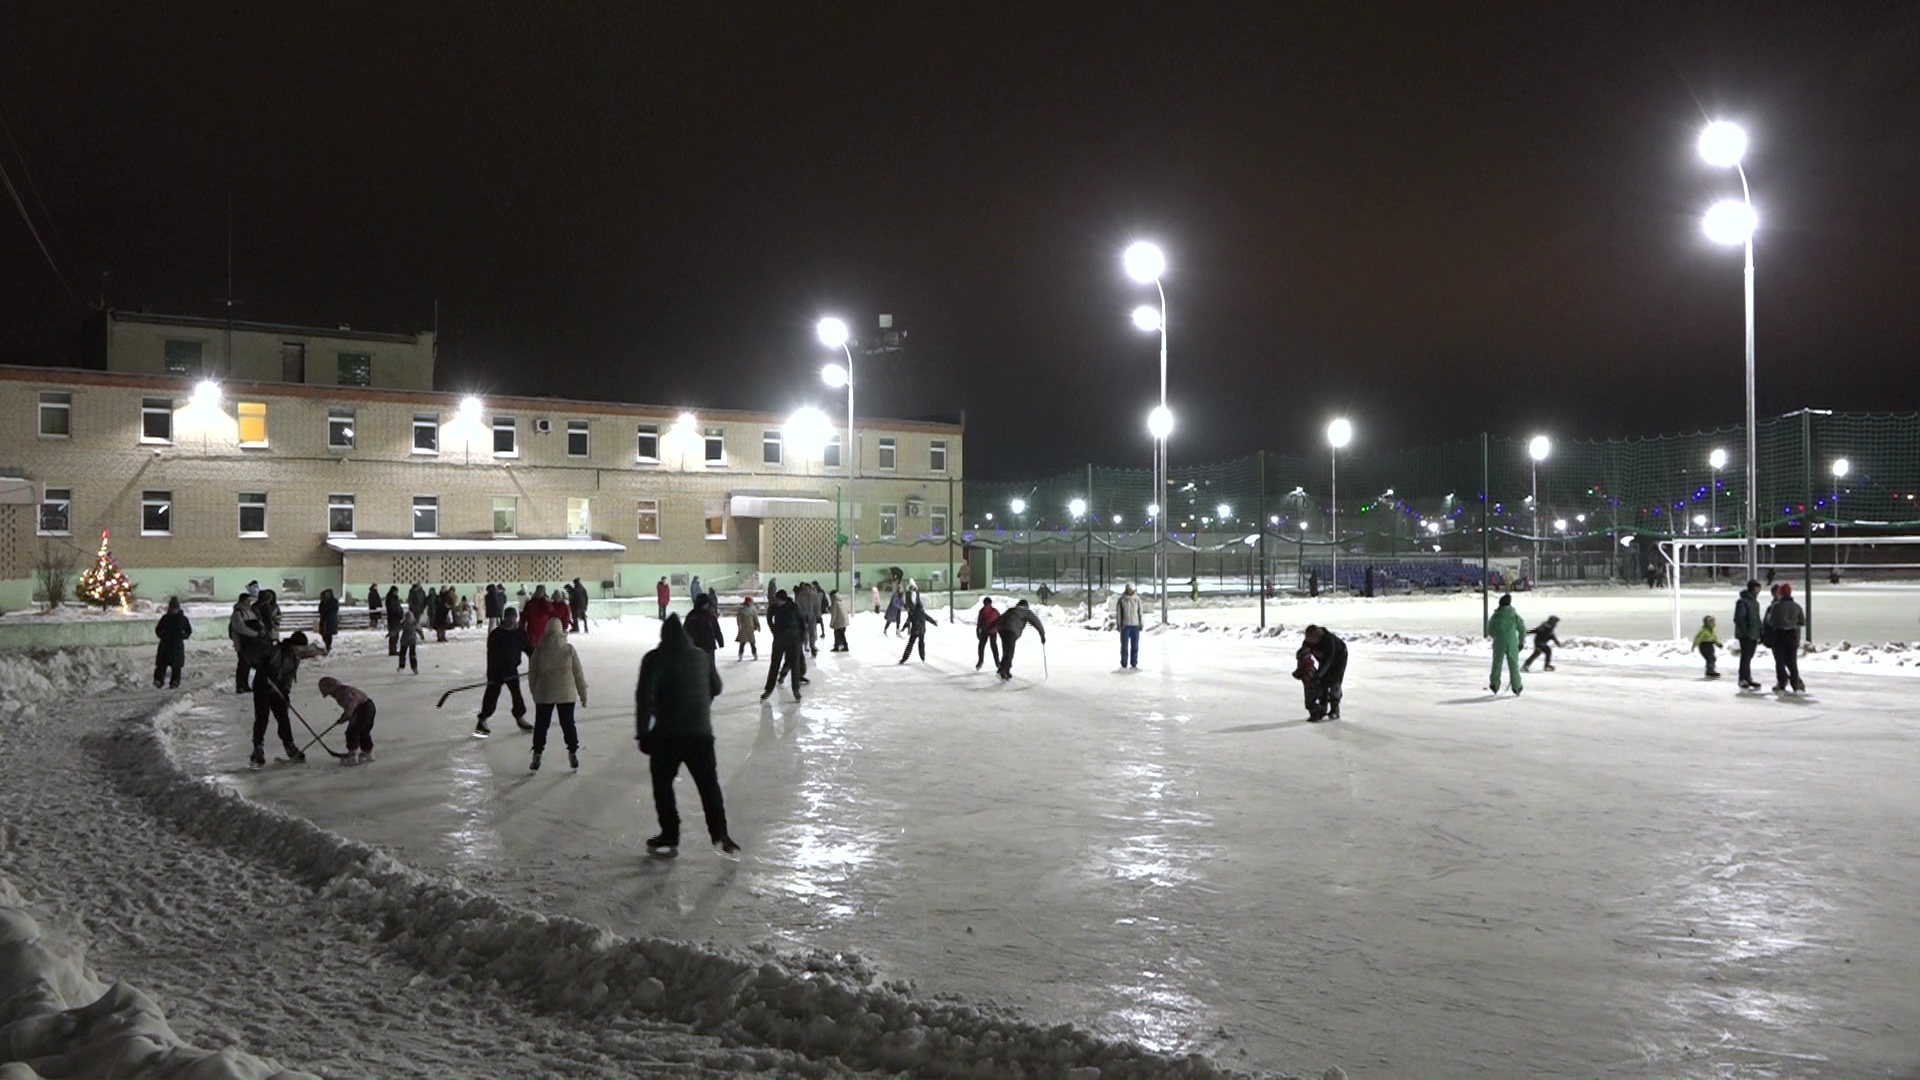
{"x":557,"y":682}
{"x":917,"y":620}
{"x":839,"y":619}
{"x":506,"y":644}
{"x":1330,"y":676}
{"x":329,"y":618}
{"x":703,"y":626}
{"x":1009,"y":627}
{"x":173,"y":630}
{"x":417,"y":599}
{"x":396,"y":613}
{"x":273,"y":691}
{"x":1782,"y":623}
{"x":1544,"y":639}
{"x":807,"y":603}
{"x":1746,"y":631}
{"x":577,"y":603}
{"x":356,"y":711}
{"x":789,"y":645}
{"x":244,"y":630}
{"x":746,"y":629}
{"x":1505,"y":628}
{"x":266,"y":608}
{"x":537,"y":616}
{"x":673,"y":723}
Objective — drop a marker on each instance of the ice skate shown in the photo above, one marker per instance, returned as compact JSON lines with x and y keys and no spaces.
{"x":663,"y":846}
{"x":295,"y":755}
{"x":352,"y":758}
{"x":525,"y":725}
{"x":481,"y":730}
{"x":258,"y":758}
{"x":727,"y":847}
{"x":573,"y":760}
{"x":535,"y":767}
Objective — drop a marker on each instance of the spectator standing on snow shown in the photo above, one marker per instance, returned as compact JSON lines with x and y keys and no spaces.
{"x":373,"y":606}
{"x":1782,"y":624}
{"x":663,"y":593}
{"x":329,"y":618}
{"x":356,"y":711}
{"x":917,"y":620}
{"x":673,"y":722}
{"x":807,"y":602}
{"x":409,"y":652}
{"x":746,"y":629}
{"x":495,"y":604}
{"x":1505,"y":628}
{"x":253,"y":589}
{"x":396,"y":613}
{"x":173,"y":630}
{"x":703,"y":626}
{"x":272,"y":691}
{"x":694,"y":589}
{"x":243,"y":629}
{"x":440,"y":612}
{"x":1330,"y":654}
{"x":577,"y":599}
{"x":789,"y":644}
{"x":1127,"y":616}
{"x":417,"y":600}
{"x":876,"y":599}
{"x":1746,"y":631}
{"x":1544,"y":639}
{"x":896,"y":606}
{"x":1706,"y":641}
{"x":506,"y":644}
{"x":557,"y":682}
{"x":1009,"y":627}
{"x":266,"y":608}
{"x":983,"y":630}
{"x":840,"y":620}
{"x":463,"y":614}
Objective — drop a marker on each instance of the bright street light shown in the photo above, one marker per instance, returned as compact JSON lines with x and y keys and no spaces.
{"x":1116,"y":519}
{"x":1018,"y":506}
{"x":1077,"y":507}
{"x":1560,"y":524}
{"x":1153,"y":511}
{"x":1539,"y":447}
{"x":1146,"y":317}
{"x":1730,"y":222}
{"x":1840,"y":468}
{"x":1699,"y":521}
{"x":833,"y":332}
{"x":1160,"y":422}
{"x":808,"y":430}
{"x":1339,"y":433}
{"x":1274,"y":519}
{"x":1723,"y":144}
{"x":1717,"y":459}
{"x":1225,"y":511}
{"x":206,"y":392}
{"x":835,"y":376}
{"x":1144,"y":262}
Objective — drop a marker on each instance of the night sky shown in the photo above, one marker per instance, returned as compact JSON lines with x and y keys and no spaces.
{"x":1435,"y":218}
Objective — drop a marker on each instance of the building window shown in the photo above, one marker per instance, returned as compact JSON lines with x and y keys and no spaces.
{"x":649,"y":519}
{"x":889,"y":522}
{"x":56,"y":414}
{"x":506,"y":437}
{"x":646,"y":443}
{"x":156,"y":420}
{"x":253,"y":513}
{"x":356,"y":369}
{"x":716,"y":521}
{"x":56,"y":511}
{"x":937,"y":523}
{"x":716,"y":446}
{"x":156,"y":513}
{"x":183,"y":358}
{"x":340,"y":429}
{"x":339,"y":515}
{"x":577,"y":443}
{"x":506,"y":515}
{"x":253,"y":422}
{"x":888,"y":451}
{"x":426,"y":433}
{"x":770,"y":448}
{"x":426,"y":515}
{"x":830,"y":457}
{"x":937,"y":455}
{"x":579,"y":517}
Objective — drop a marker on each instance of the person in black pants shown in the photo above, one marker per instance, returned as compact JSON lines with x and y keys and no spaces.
{"x":1783,"y":621}
{"x":373,"y":607}
{"x":917,"y":620}
{"x":173,"y":630}
{"x":1332,"y":654}
{"x":1008,"y":627}
{"x":272,"y":691}
{"x":329,"y":618}
{"x":1746,"y":630}
{"x":789,"y":644}
{"x":673,"y":722}
{"x":1544,"y":639}
{"x":396,"y":611}
{"x":506,"y":644}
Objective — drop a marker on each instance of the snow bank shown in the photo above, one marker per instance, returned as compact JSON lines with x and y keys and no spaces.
{"x":31,"y":679}
{"x":823,"y":1006}
{"x":58,"y":1019}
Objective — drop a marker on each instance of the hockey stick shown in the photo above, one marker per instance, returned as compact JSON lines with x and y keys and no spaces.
{"x":1046,"y":669}
{"x":316,"y":737}
{"x":455,"y":690}
{"x":291,"y":707}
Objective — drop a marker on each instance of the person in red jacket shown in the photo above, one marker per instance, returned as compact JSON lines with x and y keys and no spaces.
{"x":663,"y":593}
{"x":536,"y":616}
{"x":983,"y":629}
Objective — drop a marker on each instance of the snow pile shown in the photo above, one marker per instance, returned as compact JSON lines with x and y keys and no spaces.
{"x":826,"y":1008}
{"x":57,"y":1019}
{"x":38,"y":677}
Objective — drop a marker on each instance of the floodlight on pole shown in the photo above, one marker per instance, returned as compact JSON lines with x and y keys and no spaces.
{"x":1538,"y":448}
{"x":1145,"y":262}
{"x":1146,"y":318}
{"x":1076,"y":507}
{"x":1160,"y":422}
{"x":1840,"y":468}
{"x":206,"y":393}
{"x":1724,"y":144}
{"x":1339,"y":434}
{"x":1730,"y":222}
{"x":808,"y":430}
{"x":1018,"y":506}
{"x":833,"y":334}
{"x":1225,"y":511}
{"x":835,"y":376}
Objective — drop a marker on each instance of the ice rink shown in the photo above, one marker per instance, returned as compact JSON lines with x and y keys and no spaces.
{"x":1629,"y":870}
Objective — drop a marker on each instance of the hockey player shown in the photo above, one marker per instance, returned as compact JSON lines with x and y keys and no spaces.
{"x":1011,"y":623}
{"x":506,"y":644}
{"x":272,"y":689}
{"x":983,"y":629}
{"x":356,"y":711}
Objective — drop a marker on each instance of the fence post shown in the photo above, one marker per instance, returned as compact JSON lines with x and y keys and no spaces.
{"x":1086,"y":570}
{"x":1260,"y":522}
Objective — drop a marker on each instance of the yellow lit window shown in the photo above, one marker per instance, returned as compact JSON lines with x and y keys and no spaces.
{"x":253,"y":423}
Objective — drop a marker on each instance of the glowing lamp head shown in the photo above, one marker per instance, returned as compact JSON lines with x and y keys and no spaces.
{"x":1560,"y":524}
{"x":1018,"y":506}
{"x":1723,"y":144}
{"x":1699,"y":521}
{"x":1153,"y":510}
{"x":1077,"y":507}
{"x":808,"y":429}
{"x":1225,"y":511}
{"x":1730,"y":222}
{"x":1144,"y":262}
{"x":470,"y":408}
{"x":832,"y":331}
{"x":834,"y":376}
{"x":1160,"y":422}
{"x":1717,"y":459}
{"x":1146,"y":317}
{"x":1116,"y":519}
{"x":1339,"y":433}
{"x":1273,"y":519}
{"x":1539,"y":447}
{"x":1841,"y":468}
{"x":206,"y":392}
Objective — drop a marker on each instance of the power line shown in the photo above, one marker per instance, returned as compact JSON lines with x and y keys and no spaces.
{"x":6,"y":178}
{"x":33,"y":188}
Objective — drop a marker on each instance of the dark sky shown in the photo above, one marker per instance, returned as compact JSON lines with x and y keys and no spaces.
{"x":1436,"y":218}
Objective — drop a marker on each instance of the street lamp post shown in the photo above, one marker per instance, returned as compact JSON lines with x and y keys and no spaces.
{"x":1840,"y":469}
{"x":1718,"y":460}
{"x":1339,"y":434}
{"x":1078,"y":508}
{"x":833,"y":334}
{"x":1145,"y":262}
{"x":1725,"y":144}
{"x":1019,"y":507}
{"x":1537,"y":448}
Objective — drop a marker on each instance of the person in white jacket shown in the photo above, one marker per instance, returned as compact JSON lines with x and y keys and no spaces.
{"x":557,"y":681}
{"x":1126,"y":616}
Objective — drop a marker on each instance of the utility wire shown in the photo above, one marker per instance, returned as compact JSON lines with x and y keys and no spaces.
{"x":6,"y":178}
{"x":33,"y":188}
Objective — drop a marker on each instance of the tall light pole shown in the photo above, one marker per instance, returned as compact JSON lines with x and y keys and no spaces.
{"x":1537,"y":448}
{"x":1339,"y":434}
{"x":1725,"y":144}
{"x":1145,"y":262}
{"x":1840,"y":469}
{"x":1019,"y":507}
{"x":833,"y":334}
{"x":1718,"y":460}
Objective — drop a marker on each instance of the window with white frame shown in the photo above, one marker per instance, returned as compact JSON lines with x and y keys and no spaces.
{"x":156,"y":420}
{"x":251,"y":417}
{"x":506,"y":437}
{"x":506,"y":515}
{"x":579,"y":517}
{"x":56,"y":414}
{"x":937,"y":455}
{"x":426,"y":515}
{"x":340,"y":515}
{"x":770,"y":448}
{"x":716,"y":520}
{"x":156,"y":513}
{"x":716,"y":446}
{"x":426,"y":433}
{"x":649,"y":514}
{"x":830,"y":457}
{"x":340,"y":428}
{"x":253,"y":513}
{"x":888,"y":452}
{"x":646,"y":443}
{"x":937,"y":523}
{"x":577,"y":438}
{"x":56,"y":511}
{"x":889,"y":521}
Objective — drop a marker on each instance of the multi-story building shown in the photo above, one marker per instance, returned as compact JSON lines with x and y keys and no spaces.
{"x":196,"y":348}
{"x":207,"y":486}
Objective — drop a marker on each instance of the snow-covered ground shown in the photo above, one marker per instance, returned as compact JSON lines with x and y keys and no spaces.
{"x":1627,"y":871}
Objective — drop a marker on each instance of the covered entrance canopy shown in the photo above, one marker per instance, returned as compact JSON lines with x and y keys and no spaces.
{"x":797,"y":533}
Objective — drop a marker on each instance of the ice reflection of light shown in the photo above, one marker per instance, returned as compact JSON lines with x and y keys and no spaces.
{"x":829,"y":851}
{"x":475,"y":842}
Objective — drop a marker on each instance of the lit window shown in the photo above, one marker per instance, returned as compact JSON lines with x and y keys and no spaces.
{"x":56,"y":512}
{"x":340,"y":429}
{"x":156,"y":420}
{"x":889,"y":522}
{"x":579,"y":517}
{"x":156,"y":513}
{"x":253,"y":513}
{"x":770,"y":448}
{"x":506,"y":515}
{"x":577,"y":438}
{"x":506,"y":437}
{"x":649,"y":528}
{"x":937,"y":523}
{"x":716,"y":521}
{"x":887,"y":452}
{"x":937,"y":455}
{"x":426,"y":433}
{"x":426,"y":515}
{"x":831,"y":456}
{"x":253,"y":422}
{"x":356,"y":369}
{"x":339,"y":515}
{"x":182,"y":358}
{"x":716,"y":446}
{"x":646,"y":443}
{"x":56,"y":414}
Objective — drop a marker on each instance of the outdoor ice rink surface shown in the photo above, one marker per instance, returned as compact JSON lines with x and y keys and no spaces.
{"x":1629,"y":870}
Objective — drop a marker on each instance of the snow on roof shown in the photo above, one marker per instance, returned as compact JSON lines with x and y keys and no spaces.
{"x":434,"y":544}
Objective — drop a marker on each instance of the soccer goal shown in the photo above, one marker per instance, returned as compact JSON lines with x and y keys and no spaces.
{"x":1835,"y":560}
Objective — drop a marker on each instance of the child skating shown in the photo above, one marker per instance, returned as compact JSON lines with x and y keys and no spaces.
{"x":1707,"y":641}
{"x":1544,"y":639}
{"x":1306,"y":668}
{"x":356,"y":711}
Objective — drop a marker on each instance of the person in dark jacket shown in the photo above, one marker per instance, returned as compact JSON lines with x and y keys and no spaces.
{"x":272,"y":690}
{"x":1782,"y":623}
{"x":494,"y":604}
{"x":506,"y":644}
{"x":243,"y":629}
{"x":917,"y":620}
{"x":1746,"y":631}
{"x":266,"y":608}
{"x":896,"y":607}
{"x":703,"y":626}
{"x":1009,"y":627}
{"x":983,"y":629}
{"x":673,"y":722}
{"x":329,"y":618}
{"x":1331,"y":652}
{"x":1544,"y":639}
{"x":173,"y":630}
{"x":373,"y":606}
{"x":417,"y":600}
{"x":789,"y":645}
{"x":439,"y":612}
{"x":396,"y":614}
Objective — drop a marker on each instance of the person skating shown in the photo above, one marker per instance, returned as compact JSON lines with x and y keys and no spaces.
{"x":789,"y":645}
{"x":396,"y":614}
{"x":1505,"y":628}
{"x":896,"y":606}
{"x":807,"y":603}
{"x":1306,"y":669}
{"x":1127,"y":616}
{"x":577,"y":600}
{"x":356,"y":711}
{"x":1544,"y":639}
{"x":840,"y":621}
{"x":664,"y":594}
{"x":1706,"y":641}
{"x":1746,"y":631}
{"x":557,"y":682}
{"x":173,"y":630}
{"x":673,"y":723}
{"x":373,"y":606}
{"x":409,"y":651}
{"x":983,"y":629}
{"x":1782,"y":623}
{"x":246,"y":633}
{"x":1009,"y":626}
{"x":536,"y":616}
{"x":506,"y":644}
{"x":695,"y":589}
{"x":917,"y":620}
{"x":273,"y":679}
{"x":1330,"y":681}
{"x":329,"y":618}
{"x":746,"y":629}
{"x":703,"y":626}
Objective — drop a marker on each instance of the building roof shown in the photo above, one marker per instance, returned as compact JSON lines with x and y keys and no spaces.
{"x":423,"y":545}
{"x":199,"y":323}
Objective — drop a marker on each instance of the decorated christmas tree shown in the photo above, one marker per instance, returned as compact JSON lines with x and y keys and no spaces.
{"x":104,"y":582}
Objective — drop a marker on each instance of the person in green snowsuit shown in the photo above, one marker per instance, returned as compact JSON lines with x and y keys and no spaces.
{"x":1506,"y":628}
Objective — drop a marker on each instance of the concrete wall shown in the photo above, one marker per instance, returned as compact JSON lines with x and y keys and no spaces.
{"x":399,"y":361}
